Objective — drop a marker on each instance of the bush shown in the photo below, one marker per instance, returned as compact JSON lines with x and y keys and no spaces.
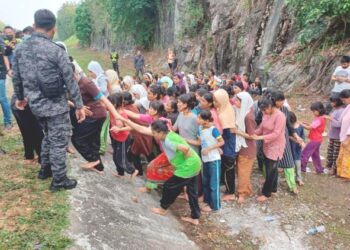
{"x":83,"y":24}
{"x":192,"y":20}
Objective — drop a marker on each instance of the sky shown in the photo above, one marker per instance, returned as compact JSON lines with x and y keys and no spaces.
{"x":20,"y":13}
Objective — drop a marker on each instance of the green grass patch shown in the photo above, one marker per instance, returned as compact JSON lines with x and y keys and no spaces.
{"x":30,"y":215}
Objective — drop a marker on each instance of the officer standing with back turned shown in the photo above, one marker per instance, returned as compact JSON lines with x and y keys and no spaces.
{"x":42,"y":76}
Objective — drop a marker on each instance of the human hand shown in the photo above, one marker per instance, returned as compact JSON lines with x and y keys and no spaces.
{"x":10,"y":73}
{"x":328,"y":117}
{"x":115,"y":129}
{"x":205,"y":151}
{"x":87,"y":110}
{"x":80,"y":114}
{"x":21,"y":105}
{"x":257,"y":137}
{"x":188,"y":153}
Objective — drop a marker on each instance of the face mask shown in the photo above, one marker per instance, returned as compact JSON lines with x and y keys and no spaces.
{"x":9,"y":37}
{"x":26,"y":37}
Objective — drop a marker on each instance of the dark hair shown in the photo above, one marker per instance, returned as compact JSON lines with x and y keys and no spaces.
{"x":19,"y":34}
{"x":277,"y":96}
{"x":160,"y":126}
{"x":172,"y":91}
{"x":246,"y":74}
{"x":292,"y":117}
{"x":162,"y":91}
{"x":337,"y":101}
{"x":156,"y":90}
{"x":345,"y":94}
{"x":159,"y":107}
{"x":116,"y":99}
{"x":127,"y":96}
{"x":206,"y":115}
{"x":265,"y":103}
{"x":318,"y":106}
{"x":28,"y":30}
{"x":8,"y":27}
{"x":345,"y":59}
{"x":188,"y":100}
{"x":201,"y":91}
{"x":209,"y":98}
{"x":212,"y":71}
{"x":238,"y":84}
{"x":173,"y":105}
{"x":229,"y":90}
{"x":193,"y":87}
{"x":44,"y":19}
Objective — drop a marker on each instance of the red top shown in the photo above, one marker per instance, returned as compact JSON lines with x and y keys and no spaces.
{"x":121,"y":136}
{"x":317,"y":128}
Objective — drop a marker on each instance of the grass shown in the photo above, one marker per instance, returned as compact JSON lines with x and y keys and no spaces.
{"x":30,"y":215}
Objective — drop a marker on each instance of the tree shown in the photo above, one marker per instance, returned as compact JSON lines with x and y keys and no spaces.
{"x":82,"y":23}
{"x":65,"y":20}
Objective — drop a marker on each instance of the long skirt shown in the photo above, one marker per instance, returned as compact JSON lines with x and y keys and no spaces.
{"x":158,"y":171}
{"x":343,"y":162}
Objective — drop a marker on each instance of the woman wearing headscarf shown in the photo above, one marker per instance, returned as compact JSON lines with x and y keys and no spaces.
{"x":97,"y":74}
{"x":227,"y":119}
{"x":246,"y":125}
{"x":113,"y":82}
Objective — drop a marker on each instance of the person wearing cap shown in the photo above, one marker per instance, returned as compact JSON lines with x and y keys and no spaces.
{"x":42,"y":76}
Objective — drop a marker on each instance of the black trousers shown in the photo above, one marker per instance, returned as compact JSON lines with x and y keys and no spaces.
{"x":31,"y":131}
{"x":136,"y":159}
{"x":86,"y":139}
{"x":228,"y":173}
{"x":174,"y":186}
{"x":116,"y":67}
{"x":120,"y":158}
{"x":270,"y":185}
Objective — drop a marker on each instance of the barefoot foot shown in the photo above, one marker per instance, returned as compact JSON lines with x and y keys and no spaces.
{"x":132,"y":177}
{"x":159,"y":211}
{"x":145,"y":190}
{"x":115,"y":174}
{"x":206,"y":208}
{"x":90,"y":165}
{"x":190,"y":220}
{"x":262,"y":198}
{"x":229,"y":197}
{"x":241,"y":200}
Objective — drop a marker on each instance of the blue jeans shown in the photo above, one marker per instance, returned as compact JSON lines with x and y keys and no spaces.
{"x":5,"y":105}
{"x":211,"y":183}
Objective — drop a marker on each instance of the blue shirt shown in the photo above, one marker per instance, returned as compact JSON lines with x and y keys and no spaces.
{"x":296,"y":148}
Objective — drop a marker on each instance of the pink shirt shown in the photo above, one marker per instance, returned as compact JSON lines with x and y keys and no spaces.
{"x":273,"y":128}
{"x":146,"y":119}
{"x":217,"y":123}
{"x":317,"y":128}
{"x":345,"y":124}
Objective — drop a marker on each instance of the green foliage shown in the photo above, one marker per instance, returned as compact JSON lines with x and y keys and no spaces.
{"x":134,"y":18}
{"x":65,"y":20}
{"x":316,"y":17}
{"x":82,"y":23}
{"x":2,"y":25}
{"x":192,"y":18}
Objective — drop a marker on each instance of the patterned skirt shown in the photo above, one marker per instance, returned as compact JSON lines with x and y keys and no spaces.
{"x":343,"y":162}
{"x":287,"y":160}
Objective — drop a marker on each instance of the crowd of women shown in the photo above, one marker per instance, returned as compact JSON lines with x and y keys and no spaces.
{"x":193,"y":133}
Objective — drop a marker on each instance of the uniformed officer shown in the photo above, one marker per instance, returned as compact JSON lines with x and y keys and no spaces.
{"x":42,"y":75}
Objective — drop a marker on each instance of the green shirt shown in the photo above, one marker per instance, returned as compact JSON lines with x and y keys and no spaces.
{"x":184,"y":168}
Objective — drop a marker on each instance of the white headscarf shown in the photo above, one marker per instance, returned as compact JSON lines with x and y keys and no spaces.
{"x":139,"y":90}
{"x":101,"y":79}
{"x":247,"y":103}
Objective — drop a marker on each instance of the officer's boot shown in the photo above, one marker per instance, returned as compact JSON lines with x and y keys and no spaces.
{"x":45,"y":173}
{"x":63,"y":183}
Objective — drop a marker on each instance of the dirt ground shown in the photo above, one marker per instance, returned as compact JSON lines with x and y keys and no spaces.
{"x":324,"y":200}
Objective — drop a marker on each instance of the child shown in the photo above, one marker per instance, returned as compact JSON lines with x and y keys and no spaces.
{"x":210,"y":139}
{"x":171,"y":109}
{"x":316,"y":128}
{"x":120,"y":139}
{"x":296,"y":146}
{"x":334,"y":133}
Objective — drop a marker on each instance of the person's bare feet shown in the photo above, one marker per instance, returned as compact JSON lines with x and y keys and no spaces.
{"x":132,"y":177}
{"x":90,"y":165}
{"x":159,"y":211}
{"x":300,"y":183}
{"x":274,"y":194}
{"x":201,"y":198}
{"x":98,"y":171}
{"x":115,"y":174}
{"x":262,"y":198}
{"x":183,"y":196}
{"x":206,"y":208}
{"x":241,"y":199}
{"x":295,"y":191}
{"x":144,"y":190}
{"x":229,"y":197}
{"x":190,"y":220}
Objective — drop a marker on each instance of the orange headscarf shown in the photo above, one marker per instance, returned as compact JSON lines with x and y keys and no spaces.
{"x":225,"y":111}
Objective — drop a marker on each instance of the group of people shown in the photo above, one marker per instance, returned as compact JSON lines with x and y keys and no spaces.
{"x":196,"y":131}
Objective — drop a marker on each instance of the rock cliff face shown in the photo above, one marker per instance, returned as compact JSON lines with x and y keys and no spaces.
{"x":254,"y":36}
